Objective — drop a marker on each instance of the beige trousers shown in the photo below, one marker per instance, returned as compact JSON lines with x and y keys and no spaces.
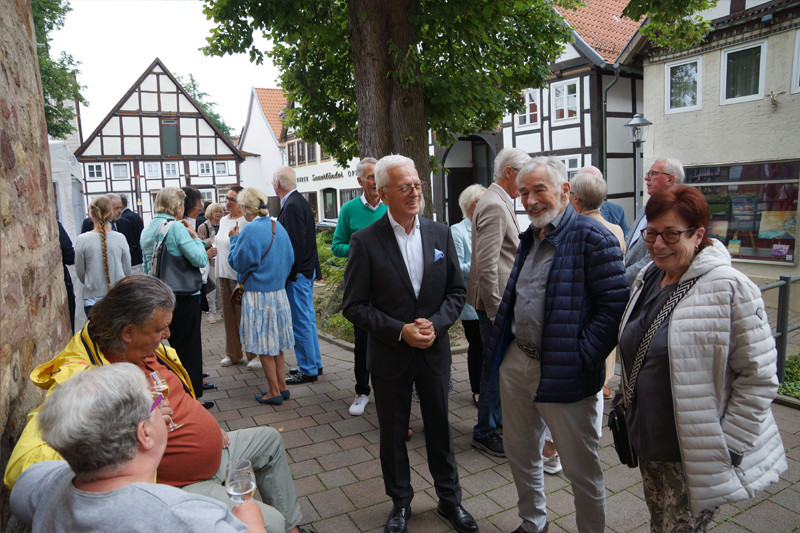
{"x":231,"y":316}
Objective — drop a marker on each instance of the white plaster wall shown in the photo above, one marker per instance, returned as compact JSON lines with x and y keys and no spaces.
{"x":531,"y":143}
{"x":460,"y":155}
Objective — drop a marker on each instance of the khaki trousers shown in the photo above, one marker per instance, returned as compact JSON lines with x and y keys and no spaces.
{"x":231,"y":316}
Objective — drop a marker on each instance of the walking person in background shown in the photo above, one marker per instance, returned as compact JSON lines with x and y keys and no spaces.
{"x":262,"y":255}
{"x":353,"y":216}
{"x":207,"y":231}
{"x":698,"y":371}
{"x":226,"y":282}
{"x":102,"y":256}
{"x":462,"y":237}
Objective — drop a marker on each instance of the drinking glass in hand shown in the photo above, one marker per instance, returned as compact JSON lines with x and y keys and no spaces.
{"x":240,"y":481}
{"x":159,"y":384}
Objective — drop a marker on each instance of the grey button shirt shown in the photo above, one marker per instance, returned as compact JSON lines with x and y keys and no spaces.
{"x":531,"y":286}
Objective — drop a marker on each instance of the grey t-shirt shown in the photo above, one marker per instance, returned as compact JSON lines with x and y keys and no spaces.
{"x":45,"y":499}
{"x":89,"y":261}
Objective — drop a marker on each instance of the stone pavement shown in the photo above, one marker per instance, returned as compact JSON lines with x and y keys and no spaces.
{"x":334,"y":458}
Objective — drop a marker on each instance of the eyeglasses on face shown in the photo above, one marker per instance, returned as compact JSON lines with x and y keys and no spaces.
{"x":652,"y":173}
{"x":230,"y":199}
{"x":405,"y":190}
{"x":670,"y":236}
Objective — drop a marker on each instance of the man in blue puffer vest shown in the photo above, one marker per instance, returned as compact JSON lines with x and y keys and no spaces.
{"x":556,"y":325}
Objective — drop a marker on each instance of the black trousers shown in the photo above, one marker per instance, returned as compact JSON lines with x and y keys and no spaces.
{"x":393,"y":403}
{"x":472,"y":330}
{"x":360,"y":352}
{"x":185,"y":338}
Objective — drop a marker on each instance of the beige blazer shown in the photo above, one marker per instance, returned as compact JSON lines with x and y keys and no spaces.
{"x":495,"y":237}
{"x":613,"y":228}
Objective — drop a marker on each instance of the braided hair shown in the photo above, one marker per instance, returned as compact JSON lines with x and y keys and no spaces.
{"x":102,"y":211}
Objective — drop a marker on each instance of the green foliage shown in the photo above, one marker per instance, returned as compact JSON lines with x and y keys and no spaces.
{"x":791,"y":379}
{"x":332,"y":266}
{"x":338,"y":326}
{"x":59,"y":84}
{"x":200,"y":97}
{"x":472,"y":60}
{"x":672,"y":24}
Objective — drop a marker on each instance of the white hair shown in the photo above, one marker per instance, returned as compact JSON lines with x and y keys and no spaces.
{"x":360,"y":166}
{"x":556,"y":171}
{"x":674,"y":167}
{"x":590,"y":188}
{"x":285,"y":178}
{"x":468,"y":197}
{"x":387,"y":163}
{"x":509,"y":157}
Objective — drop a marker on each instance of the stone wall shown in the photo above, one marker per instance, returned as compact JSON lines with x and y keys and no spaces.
{"x":33,"y":318}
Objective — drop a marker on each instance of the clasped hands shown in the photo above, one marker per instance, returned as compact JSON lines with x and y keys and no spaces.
{"x":419,"y":334}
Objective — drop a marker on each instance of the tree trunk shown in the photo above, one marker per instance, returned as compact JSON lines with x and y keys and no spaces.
{"x":391,"y":119}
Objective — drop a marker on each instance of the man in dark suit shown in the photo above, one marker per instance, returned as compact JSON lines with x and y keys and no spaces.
{"x":298,"y":219}
{"x":136,"y":226}
{"x":403,"y":286}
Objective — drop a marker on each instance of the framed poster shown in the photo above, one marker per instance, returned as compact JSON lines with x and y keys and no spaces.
{"x":718,"y":229}
{"x":778,"y":225}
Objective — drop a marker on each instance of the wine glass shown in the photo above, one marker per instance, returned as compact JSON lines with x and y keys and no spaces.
{"x":159,"y":384}
{"x":240,"y":481}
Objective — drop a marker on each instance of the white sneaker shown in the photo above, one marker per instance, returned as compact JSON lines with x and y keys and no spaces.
{"x":211,"y":319}
{"x":552,"y":465}
{"x":359,"y":404}
{"x":227,"y":362}
{"x":255,"y":364}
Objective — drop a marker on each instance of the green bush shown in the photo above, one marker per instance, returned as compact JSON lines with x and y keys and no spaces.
{"x":332,"y":266}
{"x":791,"y":379}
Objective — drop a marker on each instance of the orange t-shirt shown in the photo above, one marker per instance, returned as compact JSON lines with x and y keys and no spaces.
{"x":194,"y":451}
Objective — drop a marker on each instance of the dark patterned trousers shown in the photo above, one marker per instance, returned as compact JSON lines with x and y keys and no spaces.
{"x":668,"y":500}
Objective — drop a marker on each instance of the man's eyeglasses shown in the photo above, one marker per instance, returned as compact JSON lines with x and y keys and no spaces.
{"x":405,"y":190}
{"x":231,"y":200}
{"x":652,"y":173}
{"x":671,"y":236}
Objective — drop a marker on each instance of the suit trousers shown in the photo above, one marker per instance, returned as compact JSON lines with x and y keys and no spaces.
{"x":231,"y":316}
{"x":574,"y":432}
{"x":393,"y":404}
{"x":304,"y":323}
{"x":263,"y":447}
{"x":360,"y":353}
{"x":472,"y":331}
{"x":185,"y":338}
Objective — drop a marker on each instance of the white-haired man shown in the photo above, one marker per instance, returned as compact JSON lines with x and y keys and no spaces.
{"x":663,"y":174}
{"x":554,"y":329}
{"x":403,"y":286}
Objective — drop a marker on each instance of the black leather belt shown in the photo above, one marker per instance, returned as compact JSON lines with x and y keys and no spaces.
{"x":530,"y":352}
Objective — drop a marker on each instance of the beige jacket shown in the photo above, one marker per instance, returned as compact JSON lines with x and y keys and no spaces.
{"x":495,"y":237}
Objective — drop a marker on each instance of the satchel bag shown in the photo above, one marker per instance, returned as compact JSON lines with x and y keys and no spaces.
{"x":177,"y":272}
{"x":617,"y":420}
{"x":238,"y":292}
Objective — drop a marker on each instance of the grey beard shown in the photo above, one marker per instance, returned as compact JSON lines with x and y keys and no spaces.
{"x":550,"y":215}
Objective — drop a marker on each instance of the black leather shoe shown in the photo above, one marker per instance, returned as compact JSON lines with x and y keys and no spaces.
{"x":545,"y":529}
{"x":299,"y":378}
{"x":208,"y":405}
{"x":398,"y":520}
{"x":205,"y":374}
{"x":294,"y":371}
{"x":207,"y":386}
{"x":462,"y":521}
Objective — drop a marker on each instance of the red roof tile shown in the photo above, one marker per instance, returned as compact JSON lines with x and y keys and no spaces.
{"x":272,"y":101}
{"x":600,"y":23}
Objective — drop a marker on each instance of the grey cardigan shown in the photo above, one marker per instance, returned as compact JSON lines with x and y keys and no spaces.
{"x":89,"y":261}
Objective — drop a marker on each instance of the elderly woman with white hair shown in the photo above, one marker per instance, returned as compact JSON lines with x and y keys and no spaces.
{"x":586,"y":196}
{"x":462,"y":237}
{"x":112,"y":433}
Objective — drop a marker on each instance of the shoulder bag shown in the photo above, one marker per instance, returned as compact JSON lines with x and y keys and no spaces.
{"x":182,"y":276}
{"x":238,"y":292}
{"x":617,"y":421}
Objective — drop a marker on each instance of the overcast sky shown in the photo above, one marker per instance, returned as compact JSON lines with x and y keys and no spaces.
{"x":116,"y":40}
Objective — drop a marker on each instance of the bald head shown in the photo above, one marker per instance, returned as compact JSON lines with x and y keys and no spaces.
{"x":589,"y":169}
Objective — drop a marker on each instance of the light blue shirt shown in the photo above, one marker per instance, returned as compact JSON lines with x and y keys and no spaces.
{"x":462,"y":237}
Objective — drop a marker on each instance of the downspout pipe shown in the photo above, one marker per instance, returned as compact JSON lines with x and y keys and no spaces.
{"x":605,"y":121}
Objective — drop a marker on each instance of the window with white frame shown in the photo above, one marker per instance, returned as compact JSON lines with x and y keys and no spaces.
{"x":291,"y":151}
{"x":94,"y":171}
{"x":743,"y":72}
{"x":206,"y":194}
{"x":565,"y":101}
{"x":170,"y":170}
{"x":152,"y":170}
{"x":530,"y":116}
{"x":573,"y":163}
{"x":221,"y":167}
{"x":795,"y":83}
{"x":119,"y":171}
{"x":683,"y":91}
{"x":205,"y":168}
{"x":301,"y":153}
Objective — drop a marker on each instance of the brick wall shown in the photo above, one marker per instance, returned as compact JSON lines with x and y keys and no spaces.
{"x":33,"y":319}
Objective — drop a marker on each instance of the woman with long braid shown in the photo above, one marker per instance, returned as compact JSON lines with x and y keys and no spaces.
{"x":102,"y":256}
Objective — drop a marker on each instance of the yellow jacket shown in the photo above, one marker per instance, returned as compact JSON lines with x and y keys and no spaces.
{"x":80,"y":354}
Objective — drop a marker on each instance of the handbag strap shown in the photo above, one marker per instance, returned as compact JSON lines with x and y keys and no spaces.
{"x":265,"y":253}
{"x":676,"y":296}
{"x":158,"y":246}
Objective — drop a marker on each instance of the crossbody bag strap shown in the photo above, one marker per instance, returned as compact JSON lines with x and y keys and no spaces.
{"x":676,"y":296}
{"x":265,"y":253}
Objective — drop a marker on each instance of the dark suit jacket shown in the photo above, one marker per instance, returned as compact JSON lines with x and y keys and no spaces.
{"x":379,"y":298}
{"x":133,"y":233}
{"x":298,"y":219}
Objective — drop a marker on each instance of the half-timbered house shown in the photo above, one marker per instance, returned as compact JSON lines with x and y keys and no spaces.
{"x":157,"y":136}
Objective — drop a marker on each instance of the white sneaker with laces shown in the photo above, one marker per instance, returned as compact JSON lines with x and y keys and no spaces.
{"x":255,"y":364}
{"x":227,"y":362}
{"x":552,"y":465}
{"x":359,"y":404}
{"x":211,"y":318}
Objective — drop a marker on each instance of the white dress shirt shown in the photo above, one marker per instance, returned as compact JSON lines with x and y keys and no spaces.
{"x":638,"y":231}
{"x":411,"y":249}
{"x":366,"y":203}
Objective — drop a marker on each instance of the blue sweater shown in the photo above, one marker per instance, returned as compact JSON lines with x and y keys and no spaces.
{"x":247,"y":248}
{"x":585,"y":297}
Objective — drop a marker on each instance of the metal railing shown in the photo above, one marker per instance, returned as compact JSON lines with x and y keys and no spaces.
{"x":782,"y":328}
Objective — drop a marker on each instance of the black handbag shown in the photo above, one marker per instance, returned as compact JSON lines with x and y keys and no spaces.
{"x":617,"y":421}
{"x":177,"y":272}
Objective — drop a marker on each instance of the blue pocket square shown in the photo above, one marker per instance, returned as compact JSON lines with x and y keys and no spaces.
{"x":437,"y":254}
